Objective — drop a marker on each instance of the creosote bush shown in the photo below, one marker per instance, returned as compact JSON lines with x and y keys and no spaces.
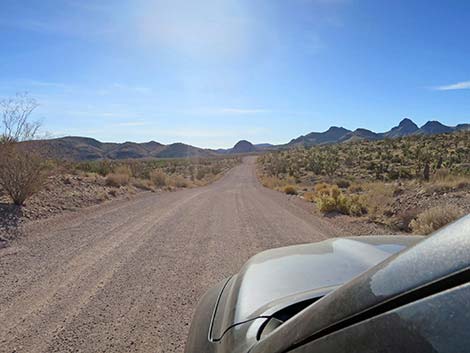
{"x":159,"y":178}
{"x":117,"y":180}
{"x":20,"y":170}
{"x":20,"y":173}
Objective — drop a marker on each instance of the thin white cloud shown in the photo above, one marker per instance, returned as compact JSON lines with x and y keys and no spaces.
{"x":453,"y":86}
{"x":131,"y":123}
{"x":210,"y":133}
{"x":136,"y":89}
{"x":47,"y":84}
{"x":241,"y":111}
{"x":222,"y":111}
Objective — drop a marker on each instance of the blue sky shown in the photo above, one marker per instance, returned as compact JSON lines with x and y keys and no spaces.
{"x":211,"y":72}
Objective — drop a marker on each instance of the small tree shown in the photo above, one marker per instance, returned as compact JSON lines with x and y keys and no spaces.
{"x":20,"y":173}
{"x":16,"y":118}
{"x":20,"y":170}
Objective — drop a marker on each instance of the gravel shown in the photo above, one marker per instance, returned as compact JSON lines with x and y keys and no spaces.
{"x":125,"y":276}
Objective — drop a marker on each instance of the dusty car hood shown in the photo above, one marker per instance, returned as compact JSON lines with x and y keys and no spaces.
{"x":276,"y":278}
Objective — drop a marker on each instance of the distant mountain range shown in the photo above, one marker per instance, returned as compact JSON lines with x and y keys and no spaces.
{"x":405,"y":128}
{"x":84,"y":148}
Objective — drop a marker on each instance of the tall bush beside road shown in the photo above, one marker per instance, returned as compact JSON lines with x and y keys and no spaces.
{"x":20,"y":170}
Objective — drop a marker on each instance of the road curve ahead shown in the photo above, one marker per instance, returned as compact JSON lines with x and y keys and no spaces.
{"x":126,"y":276}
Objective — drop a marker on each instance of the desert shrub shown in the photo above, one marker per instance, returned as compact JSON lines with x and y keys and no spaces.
{"x":123,"y":169}
{"x":355,"y":188}
{"x":179,"y":182}
{"x":272,"y":182}
{"x":200,"y":174}
{"x":405,"y":173}
{"x":434,"y":218}
{"x":354,"y":205}
{"x":378,"y":198}
{"x":322,"y":188}
{"x":143,"y":184}
{"x":159,"y":178}
{"x":326,"y":204}
{"x":290,"y":190}
{"x":393,"y":174}
{"x":20,"y":173}
{"x":215,"y":170}
{"x":331,"y":199}
{"x":309,"y":196}
{"x":117,"y":180}
{"x":349,"y":205}
{"x":343,"y":183}
{"x":102,"y":168}
{"x":139,"y":169}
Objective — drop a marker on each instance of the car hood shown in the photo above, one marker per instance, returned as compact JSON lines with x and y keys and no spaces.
{"x":274,"y":279}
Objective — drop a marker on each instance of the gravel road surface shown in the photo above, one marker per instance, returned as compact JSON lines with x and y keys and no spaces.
{"x":126,"y":276}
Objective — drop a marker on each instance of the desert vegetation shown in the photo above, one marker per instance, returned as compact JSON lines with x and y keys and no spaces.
{"x":69,"y":185}
{"x":33,"y":186}
{"x":414,"y":184}
{"x":21,"y":172}
{"x":154,"y":174}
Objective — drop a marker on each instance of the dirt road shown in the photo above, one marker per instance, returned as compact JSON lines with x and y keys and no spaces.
{"x":126,"y":276}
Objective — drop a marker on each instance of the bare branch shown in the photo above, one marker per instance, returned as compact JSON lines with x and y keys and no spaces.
{"x":16,"y":118}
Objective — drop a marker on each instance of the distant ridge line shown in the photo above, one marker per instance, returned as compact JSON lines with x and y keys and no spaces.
{"x":76,"y":148}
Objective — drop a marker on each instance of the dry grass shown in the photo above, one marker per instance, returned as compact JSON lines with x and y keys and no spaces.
{"x":434,"y":218}
{"x":143,"y":184}
{"x":378,"y":198}
{"x":355,"y":188}
{"x":117,"y":180}
{"x":309,"y":196}
{"x":179,"y":182}
{"x":290,"y":190}
{"x":273,"y":182}
{"x":159,"y":178}
{"x":121,"y":176}
{"x":443,"y":181}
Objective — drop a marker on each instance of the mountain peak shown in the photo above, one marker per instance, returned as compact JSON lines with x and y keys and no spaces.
{"x":406,"y":127}
{"x":337,"y":129}
{"x":433,"y":123}
{"x":243,"y":146}
{"x":407,"y":122}
{"x":434,"y":127}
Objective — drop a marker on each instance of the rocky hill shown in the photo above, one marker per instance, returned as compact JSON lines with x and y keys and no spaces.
{"x":243,"y":146}
{"x":83,"y":148}
{"x":405,"y":128}
{"x":332,"y":135}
